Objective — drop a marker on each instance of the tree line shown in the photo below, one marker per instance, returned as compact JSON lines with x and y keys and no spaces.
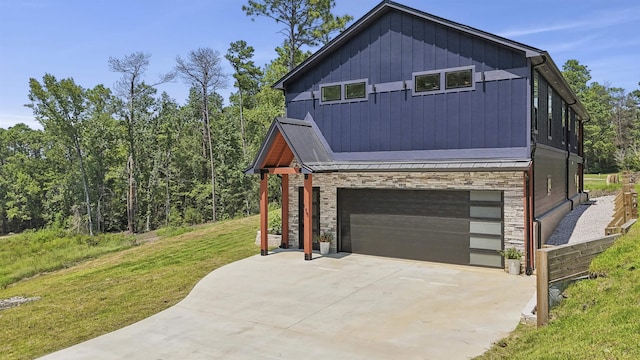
{"x":612,"y":133}
{"x":129,"y":159}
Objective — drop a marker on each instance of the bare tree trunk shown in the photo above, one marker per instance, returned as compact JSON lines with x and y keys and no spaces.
{"x":213,"y":170}
{"x":244,"y":144}
{"x":84,"y":183}
{"x":131,"y":198}
{"x":167,"y":201}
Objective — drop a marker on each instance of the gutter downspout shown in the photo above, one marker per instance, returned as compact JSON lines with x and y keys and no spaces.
{"x":567,"y":146}
{"x":529,"y":266}
{"x":530,"y":260}
{"x":581,"y":153}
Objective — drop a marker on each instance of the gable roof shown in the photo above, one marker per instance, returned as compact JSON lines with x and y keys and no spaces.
{"x":289,"y":139}
{"x":539,"y":58}
{"x":383,"y":8}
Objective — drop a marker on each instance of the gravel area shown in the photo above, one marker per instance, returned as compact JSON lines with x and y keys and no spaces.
{"x":15,"y":301}
{"x":586,"y":222}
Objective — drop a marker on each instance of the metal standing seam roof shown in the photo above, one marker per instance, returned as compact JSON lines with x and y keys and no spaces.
{"x":300,"y":137}
{"x":313,"y":157}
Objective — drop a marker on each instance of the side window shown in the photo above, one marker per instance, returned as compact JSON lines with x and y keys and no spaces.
{"x":550,"y":112}
{"x":564,"y":122}
{"x":536,"y":95}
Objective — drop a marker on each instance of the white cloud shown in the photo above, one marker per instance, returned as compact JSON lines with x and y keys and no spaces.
{"x":538,"y":30}
{"x":593,"y":21}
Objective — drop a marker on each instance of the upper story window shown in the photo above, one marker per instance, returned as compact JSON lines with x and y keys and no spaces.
{"x":578,"y":134}
{"x":346,"y":91}
{"x":564,"y":122}
{"x":331,"y":93}
{"x":454,"y":79}
{"x":549,"y":111}
{"x":458,"y":79}
{"x":426,"y":82}
{"x":355,"y":90}
{"x":536,"y":95}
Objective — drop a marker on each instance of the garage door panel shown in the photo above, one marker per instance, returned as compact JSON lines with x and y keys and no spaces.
{"x":431,"y":225}
{"x":408,"y":202}
{"x":407,"y":236}
{"x":425,"y":225}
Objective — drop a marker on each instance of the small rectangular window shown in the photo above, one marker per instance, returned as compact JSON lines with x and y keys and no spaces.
{"x":485,"y":260}
{"x":535,"y":102}
{"x":485,"y":195}
{"x":489,"y":228}
{"x":564,"y":122}
{"x":427,"y":82}
{"x":485,"y":212}
{"x":548,"y":185}
{"x":331,"y":93}
{"x":355,"y":90}
{"x":458,"y":79}
{"x":550,"y":112}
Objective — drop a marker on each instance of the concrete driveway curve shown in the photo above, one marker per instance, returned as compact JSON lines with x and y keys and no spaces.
{"x":343,"y":306}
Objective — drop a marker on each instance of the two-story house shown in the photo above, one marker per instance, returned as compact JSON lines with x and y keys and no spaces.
{"x":416,"y":137}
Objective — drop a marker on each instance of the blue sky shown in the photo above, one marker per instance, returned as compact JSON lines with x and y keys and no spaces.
{"x":75,"y":38}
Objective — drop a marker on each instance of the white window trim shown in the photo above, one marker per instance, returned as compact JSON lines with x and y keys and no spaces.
{"x":343,"y":91}
{"x":443,"y":80}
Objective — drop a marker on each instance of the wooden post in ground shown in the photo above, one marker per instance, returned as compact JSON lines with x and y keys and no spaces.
{"x":308,"y":215}
{"x":542,"y":288}
{"x":285,"y":212}
{"x":264,"y":214}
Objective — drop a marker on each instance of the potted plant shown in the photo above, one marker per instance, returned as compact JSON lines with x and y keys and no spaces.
{"x":512,"y":258}
{"x":325,"y":239}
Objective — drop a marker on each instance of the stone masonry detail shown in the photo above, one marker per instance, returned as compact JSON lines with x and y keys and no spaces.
{"x":510,"y":182}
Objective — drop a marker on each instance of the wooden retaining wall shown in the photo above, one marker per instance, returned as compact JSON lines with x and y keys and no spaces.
{"x":564,"y":262}
{"x":625,"y":207}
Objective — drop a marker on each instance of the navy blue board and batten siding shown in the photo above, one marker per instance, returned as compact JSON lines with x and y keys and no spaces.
{"x":554,"y":160}
{"x":390,"y":50}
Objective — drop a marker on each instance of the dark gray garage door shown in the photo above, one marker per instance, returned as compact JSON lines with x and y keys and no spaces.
{"x":458,"y":227}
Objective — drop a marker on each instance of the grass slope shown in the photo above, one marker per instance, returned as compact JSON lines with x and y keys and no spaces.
{"x":599,"y":319}
{"x":36,"y":252}
{"x":117,"y":289}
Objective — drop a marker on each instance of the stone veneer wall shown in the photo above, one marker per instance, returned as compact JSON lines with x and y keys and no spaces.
{"x":510,"y":182}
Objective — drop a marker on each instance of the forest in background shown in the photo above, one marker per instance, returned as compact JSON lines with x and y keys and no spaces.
{"x":130,"y":159}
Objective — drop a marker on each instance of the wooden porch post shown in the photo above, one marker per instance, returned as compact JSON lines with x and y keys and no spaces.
{"x":264,"y":217}
{"x":308,"y":208}
{"x":285,"y":212}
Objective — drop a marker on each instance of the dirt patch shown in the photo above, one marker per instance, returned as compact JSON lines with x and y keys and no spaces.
{"x":15,"y":301}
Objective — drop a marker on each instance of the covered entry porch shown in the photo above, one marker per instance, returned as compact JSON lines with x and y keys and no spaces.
{"x":289,"y":147}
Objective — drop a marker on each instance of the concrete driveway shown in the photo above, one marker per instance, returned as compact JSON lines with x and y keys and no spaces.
{"x":337,"y":307}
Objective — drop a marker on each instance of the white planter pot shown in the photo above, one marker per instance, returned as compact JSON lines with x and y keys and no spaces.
{"x":513,"y":266}
{"x":324,"y":248}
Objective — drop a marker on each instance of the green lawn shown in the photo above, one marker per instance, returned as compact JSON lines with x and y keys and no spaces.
{"x":36,"y":252}
{"x":600,"y":319}
{"x":117,"y":289}
{"x":597,"y":185}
